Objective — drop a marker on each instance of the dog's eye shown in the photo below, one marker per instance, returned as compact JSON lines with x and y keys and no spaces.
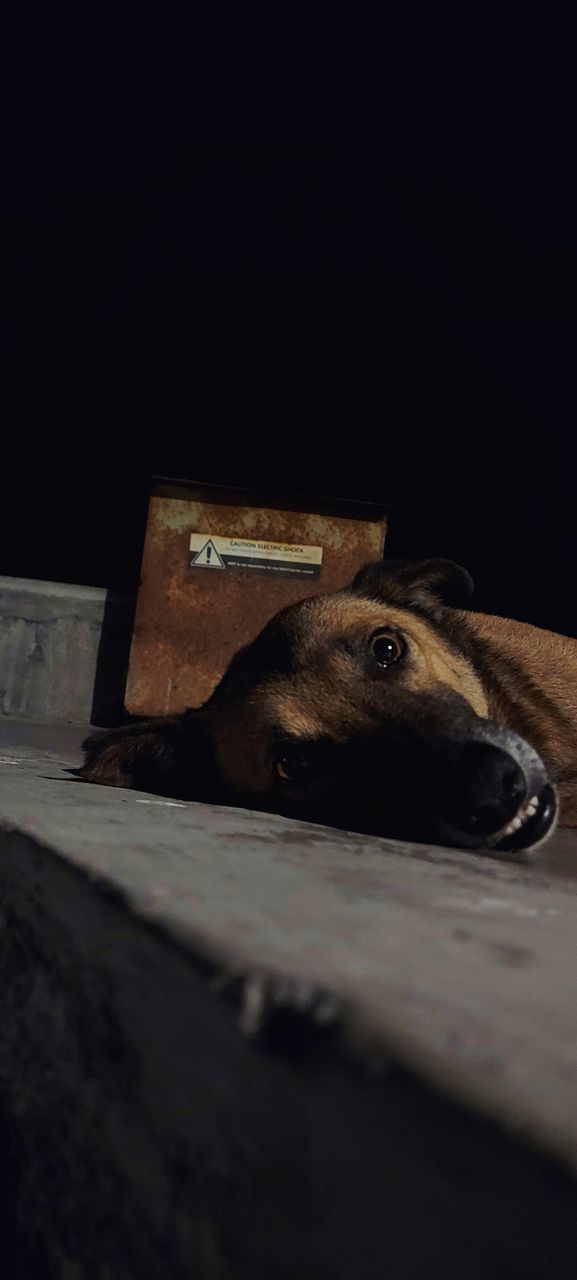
{"x":387,"y":647}
{"x":293,"y":765}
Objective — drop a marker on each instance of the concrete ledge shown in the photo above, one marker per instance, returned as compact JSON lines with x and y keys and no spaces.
{"x":236,"y":1046}
{"x":63,"y":651}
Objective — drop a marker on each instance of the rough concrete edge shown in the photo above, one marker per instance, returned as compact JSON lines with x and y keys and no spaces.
{"x":471,"y":1220}
{"x":259,"y":994}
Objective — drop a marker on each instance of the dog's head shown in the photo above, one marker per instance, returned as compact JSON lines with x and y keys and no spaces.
{"x":358,"y":710}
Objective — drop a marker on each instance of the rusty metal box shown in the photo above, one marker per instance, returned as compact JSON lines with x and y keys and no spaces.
{"x":217,"y":564}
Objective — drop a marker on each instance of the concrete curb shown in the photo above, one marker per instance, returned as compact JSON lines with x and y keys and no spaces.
{"x":234,"y":1047}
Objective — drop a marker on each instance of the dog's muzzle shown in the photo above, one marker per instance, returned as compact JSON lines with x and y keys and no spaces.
{"x":505,"y":801}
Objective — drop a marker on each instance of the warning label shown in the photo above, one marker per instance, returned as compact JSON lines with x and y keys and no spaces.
{"x":207,"y":557}
{"x":284,"y":559}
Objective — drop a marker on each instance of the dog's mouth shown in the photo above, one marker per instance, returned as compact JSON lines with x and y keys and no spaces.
{"x":531,"y":825}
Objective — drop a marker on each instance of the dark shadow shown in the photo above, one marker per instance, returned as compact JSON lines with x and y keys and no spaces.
{"x":21,"y":1253}
{"x":112,"y":663}
{"x":51,"y":777}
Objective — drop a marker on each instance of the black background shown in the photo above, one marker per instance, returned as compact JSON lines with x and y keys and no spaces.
{"x":291,"y":249}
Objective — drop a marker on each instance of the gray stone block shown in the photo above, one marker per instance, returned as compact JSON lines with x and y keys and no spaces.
{"x":63,"y":651}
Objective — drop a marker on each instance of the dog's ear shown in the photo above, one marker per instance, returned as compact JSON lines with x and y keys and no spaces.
{"x":417,"y":582}
{"x":168,"y":756}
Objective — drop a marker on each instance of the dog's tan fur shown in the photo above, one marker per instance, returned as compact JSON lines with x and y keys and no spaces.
{"x":324,"y":698}
{"x":506,"y":673}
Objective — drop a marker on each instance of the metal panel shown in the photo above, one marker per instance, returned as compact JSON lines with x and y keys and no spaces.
{"x":189,"y":622}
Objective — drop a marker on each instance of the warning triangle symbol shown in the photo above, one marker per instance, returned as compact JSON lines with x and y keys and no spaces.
{"x":208,"y":557}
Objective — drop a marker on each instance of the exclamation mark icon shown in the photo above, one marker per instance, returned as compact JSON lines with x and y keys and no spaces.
{"x":208,"y":553}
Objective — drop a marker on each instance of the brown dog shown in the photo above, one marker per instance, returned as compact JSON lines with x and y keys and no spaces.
{"x":383,"y":709}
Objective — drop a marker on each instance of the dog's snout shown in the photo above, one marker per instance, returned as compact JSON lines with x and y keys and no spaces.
{"x":493,"y":788}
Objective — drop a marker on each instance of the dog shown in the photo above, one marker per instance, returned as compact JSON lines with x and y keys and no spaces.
{"x":385,"y":708}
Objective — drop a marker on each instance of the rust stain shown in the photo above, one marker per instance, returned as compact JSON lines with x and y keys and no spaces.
{"x":189,"y":623}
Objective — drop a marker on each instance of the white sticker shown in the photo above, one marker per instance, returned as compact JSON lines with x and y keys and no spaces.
{"x":283,"y":559}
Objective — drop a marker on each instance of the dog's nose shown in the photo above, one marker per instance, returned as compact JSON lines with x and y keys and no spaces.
{"x":493,"y":789}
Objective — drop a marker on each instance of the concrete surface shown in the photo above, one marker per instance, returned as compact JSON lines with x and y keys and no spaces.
{"x":63,"y":651}
{"x":237,"y":1046}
